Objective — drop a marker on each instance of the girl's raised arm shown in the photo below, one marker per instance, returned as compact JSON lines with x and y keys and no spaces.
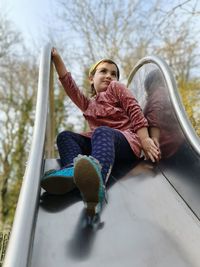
{"x":58,"y":63}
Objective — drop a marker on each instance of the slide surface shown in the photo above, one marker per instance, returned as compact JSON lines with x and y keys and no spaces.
{"x":145,"y":223}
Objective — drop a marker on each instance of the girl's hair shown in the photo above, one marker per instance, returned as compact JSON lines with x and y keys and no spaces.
{"x":94,"y":68}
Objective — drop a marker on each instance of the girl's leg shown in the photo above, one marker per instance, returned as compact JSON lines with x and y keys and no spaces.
{"x":103,"y":149}
{"x":123,"y":151}
{"x":109,"y":146}
{"x":70,"y":145}
{"x":89,"y":177}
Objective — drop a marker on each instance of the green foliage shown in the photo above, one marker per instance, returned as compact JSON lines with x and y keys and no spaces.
{"x":17,"y":108}
{"x":190,"y":94}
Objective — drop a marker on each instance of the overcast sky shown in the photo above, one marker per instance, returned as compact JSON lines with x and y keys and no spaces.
{"x":29,"y":16}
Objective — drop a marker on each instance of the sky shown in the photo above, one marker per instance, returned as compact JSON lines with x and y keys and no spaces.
{"x":30,"y":17}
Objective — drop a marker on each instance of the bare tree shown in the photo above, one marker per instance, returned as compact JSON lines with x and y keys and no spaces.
{"x":18,"y":91}
{"x":128,"y":30}
{"x":18,"y":84}
{"x":8,"y":39}
{"x":103,"y":28}
{"x":125,"y":30}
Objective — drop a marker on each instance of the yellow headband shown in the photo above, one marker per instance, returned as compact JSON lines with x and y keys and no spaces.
{"x":94,"y":66}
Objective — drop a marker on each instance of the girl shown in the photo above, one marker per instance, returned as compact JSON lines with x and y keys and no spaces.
{"x":118,"y":133}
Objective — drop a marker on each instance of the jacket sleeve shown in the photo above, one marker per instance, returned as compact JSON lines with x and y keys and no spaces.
{"x":129,"y":103}
{"x":74,"y":93}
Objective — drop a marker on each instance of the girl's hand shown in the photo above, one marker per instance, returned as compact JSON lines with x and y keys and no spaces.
{"x":151,"y":149}
{"x":58,"y":63}
{"x":54,"y":53}
{"x":156,"y":142}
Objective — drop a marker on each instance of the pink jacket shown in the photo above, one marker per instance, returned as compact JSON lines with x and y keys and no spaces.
{"x":116,"y":108}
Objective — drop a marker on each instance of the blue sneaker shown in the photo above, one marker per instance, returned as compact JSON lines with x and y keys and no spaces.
{"x":88,"y":179}
{"x":58,"y":182}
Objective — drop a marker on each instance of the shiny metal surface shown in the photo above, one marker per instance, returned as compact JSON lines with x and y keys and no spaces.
{"x":20,"y":242}
{"x":180,"y":146}
{"x":145,"y":223}
{"x":150,"y":62}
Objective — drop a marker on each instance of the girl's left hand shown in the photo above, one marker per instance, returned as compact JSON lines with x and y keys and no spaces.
{"x":151,"y":150}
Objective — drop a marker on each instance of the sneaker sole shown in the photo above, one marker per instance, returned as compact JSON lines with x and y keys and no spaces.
{"x":58,"y":185}
{"x":87,"y":181}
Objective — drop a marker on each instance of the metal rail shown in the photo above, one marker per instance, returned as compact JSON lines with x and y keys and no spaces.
{"x":19,"y":247}
{"x":177,"y":105}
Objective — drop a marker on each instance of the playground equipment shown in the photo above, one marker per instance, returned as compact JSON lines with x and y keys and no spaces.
{"x":152,"y":216}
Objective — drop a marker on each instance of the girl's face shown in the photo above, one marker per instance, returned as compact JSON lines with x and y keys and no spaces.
{"x":105,"y":73}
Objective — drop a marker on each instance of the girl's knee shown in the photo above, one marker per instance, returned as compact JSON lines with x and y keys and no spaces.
{"x":102,"y":130}
{"x":63,"y":135}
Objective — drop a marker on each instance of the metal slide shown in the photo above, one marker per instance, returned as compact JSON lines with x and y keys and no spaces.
{"x":152,"y":215}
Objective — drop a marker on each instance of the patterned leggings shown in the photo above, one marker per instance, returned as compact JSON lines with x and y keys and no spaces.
{"x":107,"y":145}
